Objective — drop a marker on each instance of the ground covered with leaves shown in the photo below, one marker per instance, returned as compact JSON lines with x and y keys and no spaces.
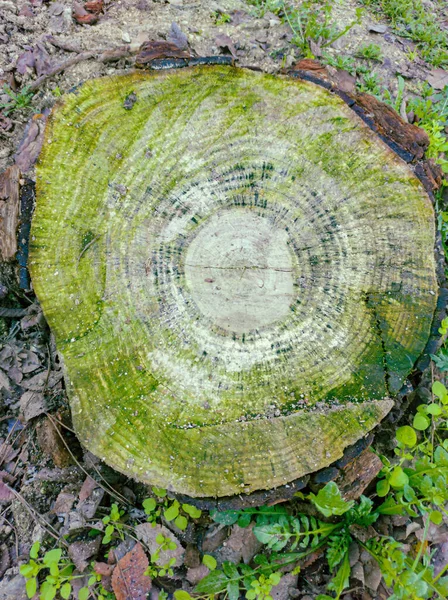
{"x":71,"y":527}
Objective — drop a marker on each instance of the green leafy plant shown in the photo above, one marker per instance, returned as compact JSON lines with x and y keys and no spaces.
{"x":18,"y":100}
{"x":309,"y":20}
{"x":370,"y":52}
{"x":412,"y":19}
{"x":52,"y":575}
{"x":344,"y":63}
{"x":114,"y":527}
{"x":220,"y":18}
{"x":154,"y":570}
{"x":371,"y":85}
{"x":171,"y":509}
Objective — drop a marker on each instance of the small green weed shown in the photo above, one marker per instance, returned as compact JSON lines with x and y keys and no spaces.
{"x":221,"y":18}
{"x":432,"y":113}
{"x":371,"y":85}
{"x":52,"y":575}
{"x":114,"y":528}
{"x":310,"y":20}
{"x":412,"y":19}
{"x":370,"y":52}
{"x":19,"y":100}
{"x":344,"y":63}
{"x":171,"y":509}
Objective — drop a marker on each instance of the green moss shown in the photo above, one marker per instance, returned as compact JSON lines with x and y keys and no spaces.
{"x":157,"y":388}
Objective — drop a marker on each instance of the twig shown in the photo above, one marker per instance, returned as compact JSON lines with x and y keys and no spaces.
{"x":100,"y":56}
{"x":61,"y":67}
{"x":48,"y":528}
{"x":111,"y":490}
{"x":13,"y":312}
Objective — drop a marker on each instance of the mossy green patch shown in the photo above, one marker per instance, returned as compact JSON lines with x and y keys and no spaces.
{"x":259,"y":355}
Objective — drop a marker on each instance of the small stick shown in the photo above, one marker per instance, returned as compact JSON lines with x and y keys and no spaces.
{"x":100,"y":56}
{"x":110,"y":491}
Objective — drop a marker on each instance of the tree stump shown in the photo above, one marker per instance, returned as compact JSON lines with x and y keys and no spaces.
{"x":239,"y":274}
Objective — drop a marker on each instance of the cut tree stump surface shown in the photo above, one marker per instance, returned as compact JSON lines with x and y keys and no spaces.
{"x":239,"y":274}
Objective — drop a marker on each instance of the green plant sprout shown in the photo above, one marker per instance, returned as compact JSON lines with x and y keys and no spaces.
{"x":170,"y":509}
{"x":19,"y":100}
{"x":370,"y":52}
{"x":113,"y":525}
{"x":56,"y":572}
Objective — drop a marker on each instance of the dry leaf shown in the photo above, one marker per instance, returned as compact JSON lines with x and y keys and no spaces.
{"x":25,"y":61}
{"x":345,"y":82}
{"x":315,"y":48}
{"x":87,"y":488}
{"x":42,"y":60}
{"x":128,"y":579}
{"x":32,"y":404}
{"x":103,"y":568}
{"x":438,"y":79}
{"x":309,"y":64}
{"x":82,"y":16}
{"x":223,"y":41}
{"x":80,"y":552}
{"x":31,"y":143}
{"x":150,"y":51}
{"x":94,"y":6}
{"x":51,"y":444}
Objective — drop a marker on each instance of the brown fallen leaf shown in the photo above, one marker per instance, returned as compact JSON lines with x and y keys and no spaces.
{"x":223,"y":41}
{"x":150,"y":51}
{"x":103,"y":568}
{"x":87,"y":488}
{"x":32,"y":404}
{"x":83,"y":17}
{"x":42,"y":60}
{"x":315,"y":48}
{"x":438,"y":78}
{"x":63,"y":503}
{"x":308,"y":64}
{"x":344,"y":81}
{"x":80,"y":552}
{"x":94,"y":6}
{"x":25,"y":62}
{"x":128,"y":579}
{"x":31,"y":143}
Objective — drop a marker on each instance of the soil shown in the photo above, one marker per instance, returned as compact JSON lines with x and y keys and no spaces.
{"x":40,"y":456}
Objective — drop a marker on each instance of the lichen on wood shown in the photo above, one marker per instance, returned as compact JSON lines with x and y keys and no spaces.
{"x":238,"y":272}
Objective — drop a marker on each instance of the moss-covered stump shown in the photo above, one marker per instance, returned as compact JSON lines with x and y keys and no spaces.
{"x":239,"y":274}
